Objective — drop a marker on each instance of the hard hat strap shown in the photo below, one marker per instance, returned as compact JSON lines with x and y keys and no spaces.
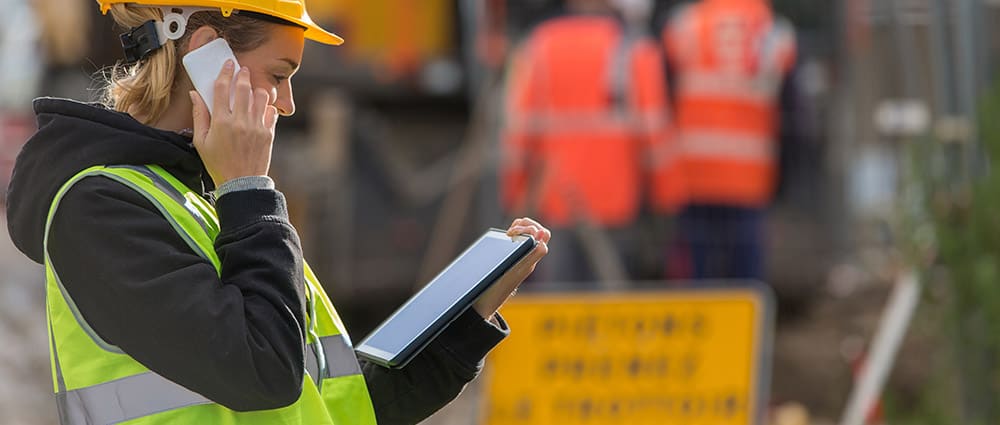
{"x":142,"y":41}
{"x":175,"y":20}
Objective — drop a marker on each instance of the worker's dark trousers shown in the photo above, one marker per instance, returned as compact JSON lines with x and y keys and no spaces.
{"x":723,"y":242}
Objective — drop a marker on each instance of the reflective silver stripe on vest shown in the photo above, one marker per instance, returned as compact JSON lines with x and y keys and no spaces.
{"x":340,"y":358}
{"x":731,"y":146}
{"x":125,"y":399}
{"x":169,"y":190}
{"x":757,"y":89}
{"x":60,"y":382}
{"x":603,"y":122}
{"x":147,"y":394}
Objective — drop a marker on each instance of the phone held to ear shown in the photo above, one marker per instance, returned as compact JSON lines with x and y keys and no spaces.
{"x":203,"y":66}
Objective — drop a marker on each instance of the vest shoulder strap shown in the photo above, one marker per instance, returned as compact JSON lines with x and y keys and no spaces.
{"x":163,"y":195}
{"x":619,"y":72}
{"x":185,"y":211}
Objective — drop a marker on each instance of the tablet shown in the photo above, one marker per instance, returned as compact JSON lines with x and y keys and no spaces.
{"x":421,"y":318}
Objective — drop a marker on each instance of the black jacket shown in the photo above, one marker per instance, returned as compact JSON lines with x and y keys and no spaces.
{"x":238,"y":339}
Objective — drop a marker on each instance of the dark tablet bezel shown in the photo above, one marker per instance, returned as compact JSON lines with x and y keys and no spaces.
{"x":444,"y":318}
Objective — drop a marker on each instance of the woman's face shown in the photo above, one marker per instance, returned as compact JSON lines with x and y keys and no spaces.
{"x":273,"y":64}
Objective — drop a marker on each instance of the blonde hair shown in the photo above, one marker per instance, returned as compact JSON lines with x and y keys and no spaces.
{"x":144,"y":89}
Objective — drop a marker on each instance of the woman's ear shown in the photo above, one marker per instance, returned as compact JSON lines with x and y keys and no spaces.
{"x":200,"y":37}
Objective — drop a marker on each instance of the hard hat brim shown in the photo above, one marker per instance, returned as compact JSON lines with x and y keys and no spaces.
{"x":315,"y":33}
{"x":313,"y":30}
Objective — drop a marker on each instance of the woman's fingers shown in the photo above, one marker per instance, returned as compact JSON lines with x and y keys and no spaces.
{"x":530,"y":227}
{"x":223,"y":89}
{"x":236,"y":141}
{"x":542,"y":236}
{"x":541,"y":249}
{"x":243,"y":95}
{"x":259,"y":106}
{"x":270,"y":118}
{"x":496,"y":295}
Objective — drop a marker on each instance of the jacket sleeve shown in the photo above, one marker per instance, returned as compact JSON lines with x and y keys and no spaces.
{"x":236,"y":339}
{"x":435,"y":376}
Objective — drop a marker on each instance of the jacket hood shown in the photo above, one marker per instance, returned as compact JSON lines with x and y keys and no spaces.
{"x":74,"y":136}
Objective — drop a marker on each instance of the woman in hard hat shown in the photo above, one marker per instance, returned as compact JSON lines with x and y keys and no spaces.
{"x":176,"y":287}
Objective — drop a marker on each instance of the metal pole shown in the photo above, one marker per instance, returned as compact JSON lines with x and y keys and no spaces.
{"x":889,"y":336}
{"x":944,"y":101}
{"x":470,"y":14}
{"x":905,"y":48}
{"x":966,"y":60}
{"x":906,"y":291}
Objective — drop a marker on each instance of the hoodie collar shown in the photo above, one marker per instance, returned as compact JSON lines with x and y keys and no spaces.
{"x":73,"y":136}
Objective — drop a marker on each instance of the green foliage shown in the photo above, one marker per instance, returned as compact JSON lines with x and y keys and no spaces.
{"x":961,"y":202}
{"x":930,"y":409}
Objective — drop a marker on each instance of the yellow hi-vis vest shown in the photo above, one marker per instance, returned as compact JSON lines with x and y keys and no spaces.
{"x":97,"y":383}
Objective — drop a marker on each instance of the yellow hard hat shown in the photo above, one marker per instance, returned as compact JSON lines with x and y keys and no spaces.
{"x":293,"y":11}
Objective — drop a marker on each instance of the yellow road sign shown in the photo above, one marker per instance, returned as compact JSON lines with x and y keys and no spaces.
{"x":694,"y":357}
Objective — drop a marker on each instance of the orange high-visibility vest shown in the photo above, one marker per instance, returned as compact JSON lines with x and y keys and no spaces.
{"x":730,"y":58}
{"x":586,"y":117}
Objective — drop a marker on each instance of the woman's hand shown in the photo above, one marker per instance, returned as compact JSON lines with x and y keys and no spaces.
{"x":234,"y":141}
{"x":493,"y":298}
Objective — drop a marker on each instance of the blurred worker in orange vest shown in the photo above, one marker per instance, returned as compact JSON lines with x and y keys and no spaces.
{"x":586,"y":117}
{"x":728,"y":60}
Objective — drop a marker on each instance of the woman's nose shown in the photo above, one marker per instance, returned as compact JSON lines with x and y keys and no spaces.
{"x":285,"y":102}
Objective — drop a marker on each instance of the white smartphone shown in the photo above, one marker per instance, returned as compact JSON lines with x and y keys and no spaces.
{"x":204,"y":64}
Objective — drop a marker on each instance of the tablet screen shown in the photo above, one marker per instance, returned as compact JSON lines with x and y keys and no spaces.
{"x":484,"y":261}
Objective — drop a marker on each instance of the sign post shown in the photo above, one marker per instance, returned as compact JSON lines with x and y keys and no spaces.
{"x":685,"y":357}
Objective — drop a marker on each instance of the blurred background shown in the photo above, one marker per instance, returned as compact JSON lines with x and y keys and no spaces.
{"x":826,"y":148}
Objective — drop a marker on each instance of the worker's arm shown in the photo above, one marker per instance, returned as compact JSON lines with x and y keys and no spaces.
{"x":435,"y":376}
{"x":238,"y":339}
{"x":794,"y":148}
{"x":679,"y":36}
